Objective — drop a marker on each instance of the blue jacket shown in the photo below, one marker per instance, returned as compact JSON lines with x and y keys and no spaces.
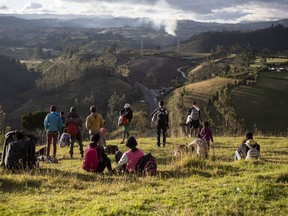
{"x":53,"y":122}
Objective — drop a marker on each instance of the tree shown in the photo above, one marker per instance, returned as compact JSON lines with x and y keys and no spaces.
{"x":115,"y":104}
{"x":33,"y":121}
{"x":2,"y":120}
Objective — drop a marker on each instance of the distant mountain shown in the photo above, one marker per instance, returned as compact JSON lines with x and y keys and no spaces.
{"x":274,"y":38}
{"x":185,"y":28}
{"x":188,"y":28}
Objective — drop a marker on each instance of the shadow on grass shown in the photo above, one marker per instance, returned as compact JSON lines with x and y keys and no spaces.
{"x":13,"y":186}
{"x":183,"y":174}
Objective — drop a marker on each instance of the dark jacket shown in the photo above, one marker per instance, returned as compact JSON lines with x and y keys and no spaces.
{"x":127,"y":113}
{"x":158,"y":110}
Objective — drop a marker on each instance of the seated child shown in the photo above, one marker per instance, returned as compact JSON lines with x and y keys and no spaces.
{"x":65,"y":139}
{"x":103,"y":133}
{"x":248,"y":148}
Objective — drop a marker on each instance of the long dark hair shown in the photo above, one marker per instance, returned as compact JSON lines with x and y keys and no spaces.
{"x":132,"y":143}
{"x":94,"y":140}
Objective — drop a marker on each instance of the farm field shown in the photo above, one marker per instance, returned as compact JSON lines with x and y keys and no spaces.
{"x":257,"y":104}
{"x":183,"y":186}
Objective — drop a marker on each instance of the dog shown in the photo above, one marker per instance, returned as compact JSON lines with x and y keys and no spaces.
{"x":201,"y":146}
{"x":111,"y":149}
{"x":184,"y":149}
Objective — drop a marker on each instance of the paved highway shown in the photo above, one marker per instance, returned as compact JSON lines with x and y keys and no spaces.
{"x":149,"y":97}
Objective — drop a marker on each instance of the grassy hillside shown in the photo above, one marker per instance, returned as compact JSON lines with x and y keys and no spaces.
{"x":183,"y":98}
{"x":183,"y":186}
{"x":96,"y":90}
{"x":264,"y":104}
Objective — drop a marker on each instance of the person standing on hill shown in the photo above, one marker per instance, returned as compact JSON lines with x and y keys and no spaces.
{"x":161,"y":116}
{"x":206,"y":133}
{"x":94,"y":122}
{"x":53,"y":126}
{"x":73,"y":125}
{"x":193,"y":119}
{"x":127,"y":115}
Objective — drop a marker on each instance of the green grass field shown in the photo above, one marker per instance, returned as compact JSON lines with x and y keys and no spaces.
{"x":183,"y":186}
{"x":265,"y":103}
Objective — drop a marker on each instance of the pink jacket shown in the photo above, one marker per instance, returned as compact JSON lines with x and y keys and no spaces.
{"x":90,"y":161}
{"x":133,"y":158}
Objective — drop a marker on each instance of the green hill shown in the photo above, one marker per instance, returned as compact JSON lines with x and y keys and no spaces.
{"x":275,"y":40}
{"x":264,"y":106}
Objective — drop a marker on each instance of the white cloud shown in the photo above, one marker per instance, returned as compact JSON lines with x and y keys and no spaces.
{"x":163,"y":13}
{"x":3,"y":7}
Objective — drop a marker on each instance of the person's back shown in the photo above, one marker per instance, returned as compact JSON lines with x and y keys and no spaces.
{"x":94,"y":122}
{"x":127,"y":162}
{"x":65,"y":139}
{"x":133,"y":158}
{"x":253,"y":149}
{"x":73,"y":118}
{"x":245,"y":146}
{"x":53,"y":122}
{"x":90,"y":161}
{"x":206,"y":133}
{"x":161,"y":116}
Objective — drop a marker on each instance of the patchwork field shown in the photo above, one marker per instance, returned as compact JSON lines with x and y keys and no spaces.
{"x":264,"y":104}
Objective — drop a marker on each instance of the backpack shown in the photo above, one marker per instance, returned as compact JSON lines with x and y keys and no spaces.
{"x":72,"y":129}
{"x":252,"y":153}
{"x":194,"y":114}
{"x":91,"y":159}
{"x":122,"y":121}
{"x":19,"y":154}
{"x":147,"y":165}
{"x":162,"y":117}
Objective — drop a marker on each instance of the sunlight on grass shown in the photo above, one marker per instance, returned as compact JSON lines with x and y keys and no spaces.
{"x":187,"y":185}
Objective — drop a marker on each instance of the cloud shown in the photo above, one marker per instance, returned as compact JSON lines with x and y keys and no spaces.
{"x":3,"y":7}
{"x":33,"y":6}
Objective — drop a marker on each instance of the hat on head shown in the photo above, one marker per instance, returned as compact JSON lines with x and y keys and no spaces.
{"x":72,"y":109}
{"x":126,"y":105}
{"x":131,"y":142}
{"x":53,"y":108}
{"x":93,"y":109}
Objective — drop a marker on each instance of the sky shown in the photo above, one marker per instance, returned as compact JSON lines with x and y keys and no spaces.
{"x":161,"y":12}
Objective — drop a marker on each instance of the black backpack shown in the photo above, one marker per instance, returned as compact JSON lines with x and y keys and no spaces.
{"x":162,"y":117}
{"x":147,"y":165}
{"x":19,"y":154}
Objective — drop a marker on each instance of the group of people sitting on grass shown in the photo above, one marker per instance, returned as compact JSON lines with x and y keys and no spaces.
{"x":19,"y":153}
{"x":94,"y":157}
{"x":96,"y":160}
